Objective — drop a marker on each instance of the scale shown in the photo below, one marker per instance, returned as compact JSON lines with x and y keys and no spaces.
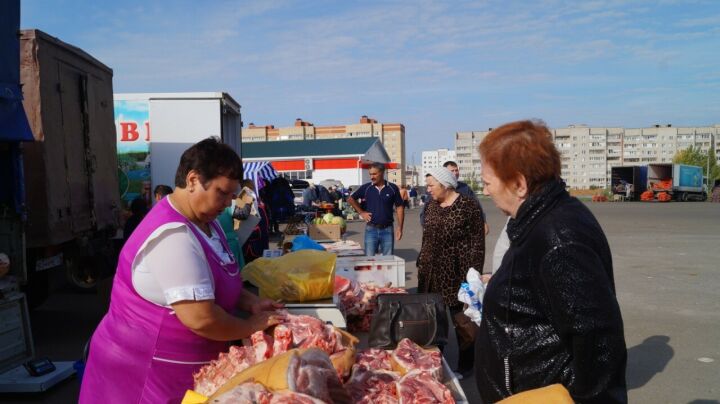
{"x":16,"y":346}
{"x":326,"y":310}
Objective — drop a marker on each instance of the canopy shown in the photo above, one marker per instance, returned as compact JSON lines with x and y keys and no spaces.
{"x":255,"y":170}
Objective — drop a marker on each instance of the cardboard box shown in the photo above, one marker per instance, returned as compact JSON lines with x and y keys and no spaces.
{"x":324,"y":232}
{"x":380,"y":269}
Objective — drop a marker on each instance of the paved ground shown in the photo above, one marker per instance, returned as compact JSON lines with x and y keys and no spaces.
{"x":667,"y":270}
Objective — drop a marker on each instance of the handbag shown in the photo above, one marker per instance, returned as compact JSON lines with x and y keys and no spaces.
{"x":420,"y":317}
{"x":465,"y":329}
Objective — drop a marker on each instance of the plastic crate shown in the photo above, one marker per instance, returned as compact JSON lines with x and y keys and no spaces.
{"x":16,"y":345}
{"x":380,"y":269}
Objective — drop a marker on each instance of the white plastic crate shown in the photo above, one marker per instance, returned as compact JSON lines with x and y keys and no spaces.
{"x":380,"y":269}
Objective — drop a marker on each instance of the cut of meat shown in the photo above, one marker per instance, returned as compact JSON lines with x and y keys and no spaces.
{"x":302,"y":326}
{"x":373,"y":358}
{"x":372,"y":386}
{"x":213,"y":375}
{"x":327,"y":340}
{"x":409,"y":356}
{"x":312,"y":373}
{"x":249,"y":392}
{"x":263,"y":345}
{"x":419,"y":386}
{"x":283,"y":339}
{"x":289,"y":397}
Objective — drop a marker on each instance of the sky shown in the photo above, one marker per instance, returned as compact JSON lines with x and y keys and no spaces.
{"x":438,"y":67}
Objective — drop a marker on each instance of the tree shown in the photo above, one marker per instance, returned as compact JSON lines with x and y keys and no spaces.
{"x":693,"y":156}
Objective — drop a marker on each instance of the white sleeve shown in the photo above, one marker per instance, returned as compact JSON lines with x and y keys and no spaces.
{"x":178,"y":266}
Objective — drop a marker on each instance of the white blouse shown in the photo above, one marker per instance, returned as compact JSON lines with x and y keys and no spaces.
{"x":171,"y":265}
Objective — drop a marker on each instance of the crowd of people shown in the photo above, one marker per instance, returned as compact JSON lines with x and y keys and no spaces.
{"x":550,"y":315}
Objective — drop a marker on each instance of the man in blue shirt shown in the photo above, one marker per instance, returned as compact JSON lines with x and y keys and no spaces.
{"x":379,"y":199}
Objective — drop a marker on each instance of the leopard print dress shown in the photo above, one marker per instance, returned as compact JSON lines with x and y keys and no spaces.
{"x":453,"y":241}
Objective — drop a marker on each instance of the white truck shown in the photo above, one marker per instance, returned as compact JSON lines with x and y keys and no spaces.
{"x":153,"y":130}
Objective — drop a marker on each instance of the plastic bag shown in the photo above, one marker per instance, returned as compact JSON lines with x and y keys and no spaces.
{"x":299,"y":276}
{"x":304,"y":242}
{"x":471,"y":293}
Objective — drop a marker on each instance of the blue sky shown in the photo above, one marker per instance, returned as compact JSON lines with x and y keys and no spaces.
{"x":437,"y":67}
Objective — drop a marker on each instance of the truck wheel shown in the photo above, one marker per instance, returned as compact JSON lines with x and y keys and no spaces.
{"x":684,"y":197}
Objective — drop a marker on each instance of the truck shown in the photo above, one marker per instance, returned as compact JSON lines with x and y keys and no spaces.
{"x":154,"y":129}
{"x":624,"y":177}
{"x":683,"y":182}
{"x":60,"y":221}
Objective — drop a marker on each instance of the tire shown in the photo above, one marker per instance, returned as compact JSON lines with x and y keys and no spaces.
{"x":684,"y":197}
{"x":81,"y":273}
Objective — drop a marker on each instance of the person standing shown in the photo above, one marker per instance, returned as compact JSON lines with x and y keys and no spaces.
{"x":405,"y":196}
{"x":162,"y":191}
{"x":380,"y":199}
{"x":464,"y":188}
{"x":412,"y":192}
{"x":175,"y":291}
{"x":453,"y":241}
{"x":550,"y":314}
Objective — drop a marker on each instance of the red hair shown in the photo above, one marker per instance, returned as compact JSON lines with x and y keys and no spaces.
{"x":522,"y":148}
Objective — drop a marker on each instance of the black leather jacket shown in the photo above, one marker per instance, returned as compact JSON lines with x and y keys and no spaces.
{"x":561,"y":323}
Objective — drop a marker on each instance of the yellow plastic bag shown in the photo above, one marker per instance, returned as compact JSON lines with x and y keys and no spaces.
{"x":299,"y":276}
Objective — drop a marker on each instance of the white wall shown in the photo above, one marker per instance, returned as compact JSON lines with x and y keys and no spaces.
{"x":175,"y":126}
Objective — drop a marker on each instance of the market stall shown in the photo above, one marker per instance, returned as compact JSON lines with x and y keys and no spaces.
{"x":320,"y":352}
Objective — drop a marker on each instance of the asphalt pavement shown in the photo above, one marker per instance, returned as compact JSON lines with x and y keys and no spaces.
{"x":667,"y":273}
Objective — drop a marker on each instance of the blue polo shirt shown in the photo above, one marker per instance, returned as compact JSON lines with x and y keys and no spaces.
{"x":381,"y":203}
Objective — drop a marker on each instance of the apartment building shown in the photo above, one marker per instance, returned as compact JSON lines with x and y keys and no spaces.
{"x":467,"y":155}
{"x":392,"y":136}
{"x":588,"y":154}
{"x":434,"y":158}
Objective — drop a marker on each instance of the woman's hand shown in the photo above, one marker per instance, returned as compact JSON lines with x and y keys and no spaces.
{"x":264,"y":305}
{"x":264,"y":319}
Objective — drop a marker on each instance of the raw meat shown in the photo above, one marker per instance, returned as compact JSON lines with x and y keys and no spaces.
{"x":313,"y":374}
{"x":289,"y":397}
{"x":302,"y":326}
{"x":409,"y":356}
{"x":249,"y":392}
{"x":213,"y":375}
{"x":283,"y":339}
{"x":420,"y":387}
{"x":372,"y":386}
{"x":263,"y":346}
{"x":359,"y":300}
{"x":373,"y":358}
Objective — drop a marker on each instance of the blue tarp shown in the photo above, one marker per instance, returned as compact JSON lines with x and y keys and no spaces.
{"x":13,"y":121}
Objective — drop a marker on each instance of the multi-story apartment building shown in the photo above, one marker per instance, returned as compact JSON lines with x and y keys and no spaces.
{"x":467,"y":155}
{"x":392,"y":136}
{"x":588,"y":153}
{"x":434,"y":158}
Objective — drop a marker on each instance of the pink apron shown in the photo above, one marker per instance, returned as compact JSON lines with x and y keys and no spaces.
{"x":141,"y":352}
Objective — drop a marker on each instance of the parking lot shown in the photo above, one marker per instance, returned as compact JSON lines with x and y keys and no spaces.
{"x":667,"y":273}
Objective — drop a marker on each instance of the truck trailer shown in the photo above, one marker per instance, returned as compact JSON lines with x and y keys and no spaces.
{"x":633,"y":177}
{"x":154,"y":129}
{"x":682,"y":182}
{"x":67,"y":206}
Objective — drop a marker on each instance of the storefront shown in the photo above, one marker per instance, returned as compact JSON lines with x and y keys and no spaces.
{"x":344,"y":160}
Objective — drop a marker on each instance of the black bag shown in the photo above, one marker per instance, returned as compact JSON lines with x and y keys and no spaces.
{"x":420,"y":317}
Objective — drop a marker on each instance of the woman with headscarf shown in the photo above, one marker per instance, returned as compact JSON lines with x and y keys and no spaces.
{"x":175,"y":292}
{"x":550,"y":315}
{"x":453,"y":241}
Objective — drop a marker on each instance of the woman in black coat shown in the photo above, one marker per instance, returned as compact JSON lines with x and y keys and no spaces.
{"x":550,"y":314}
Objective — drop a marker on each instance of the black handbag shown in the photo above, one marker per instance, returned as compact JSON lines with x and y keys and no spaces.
{"x":420,"y":317}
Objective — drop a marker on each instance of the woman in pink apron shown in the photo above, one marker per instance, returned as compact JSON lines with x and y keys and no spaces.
{"x":175,"y":290}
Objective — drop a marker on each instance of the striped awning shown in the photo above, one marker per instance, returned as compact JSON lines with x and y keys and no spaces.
{"x":255,"y":170}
